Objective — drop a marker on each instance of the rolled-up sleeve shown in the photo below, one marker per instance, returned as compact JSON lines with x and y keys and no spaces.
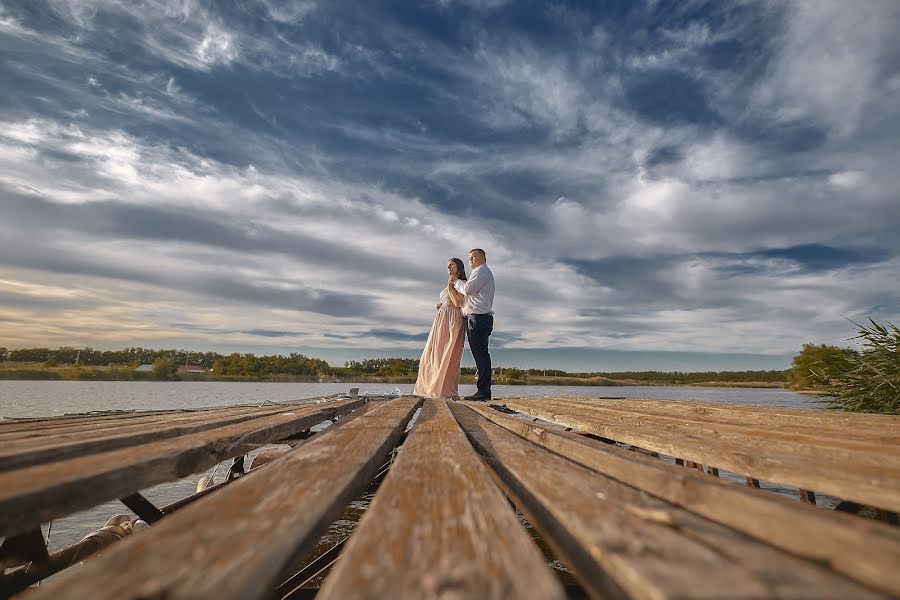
{"x":475,"y":283}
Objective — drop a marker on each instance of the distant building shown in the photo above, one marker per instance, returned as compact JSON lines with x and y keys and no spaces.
{"x":191,"y":369}
{"x":145,"y":368}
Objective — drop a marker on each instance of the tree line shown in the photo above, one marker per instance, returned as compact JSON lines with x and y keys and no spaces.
{"x":866,"y":380}
{"x":166,"y":362}
{"x":249,"y":365}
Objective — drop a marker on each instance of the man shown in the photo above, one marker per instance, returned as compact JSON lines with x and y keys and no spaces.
{"x":478,"y":309}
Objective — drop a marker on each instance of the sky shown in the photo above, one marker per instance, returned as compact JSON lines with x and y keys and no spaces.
{"x":658,"y":185}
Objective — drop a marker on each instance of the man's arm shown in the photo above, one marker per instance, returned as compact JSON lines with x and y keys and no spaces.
{"x":475,"y":283}
{"x":455,"y":297}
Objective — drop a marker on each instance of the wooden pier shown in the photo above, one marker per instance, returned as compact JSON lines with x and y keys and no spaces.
{"x":626,"y":494}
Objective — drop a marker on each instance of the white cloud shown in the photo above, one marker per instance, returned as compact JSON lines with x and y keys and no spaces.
{"x":291,"y":11}
{"x":217,"y":47}
{"x":847,"y":179}
{"x":828,"y":64}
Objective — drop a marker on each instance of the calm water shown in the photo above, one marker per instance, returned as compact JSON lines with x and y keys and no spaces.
{"x":53,"y":398}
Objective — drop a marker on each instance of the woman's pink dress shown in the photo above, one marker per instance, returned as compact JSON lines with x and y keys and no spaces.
{"x":439,"y":365}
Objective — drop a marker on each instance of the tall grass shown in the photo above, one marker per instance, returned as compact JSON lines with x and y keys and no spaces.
{"x":872,"y":383}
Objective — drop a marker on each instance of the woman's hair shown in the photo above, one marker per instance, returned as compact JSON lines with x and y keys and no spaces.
{"x":460,"y":269}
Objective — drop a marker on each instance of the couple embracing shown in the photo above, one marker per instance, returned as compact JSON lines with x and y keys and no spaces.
{"x":465,"y":310}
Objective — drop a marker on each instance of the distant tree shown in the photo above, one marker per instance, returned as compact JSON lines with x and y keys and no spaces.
{"x":819,"y":365}
{"x":163,"y":368}
{"x":513,"y":375}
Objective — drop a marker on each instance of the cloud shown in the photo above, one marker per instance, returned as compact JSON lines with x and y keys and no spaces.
{"x":828,"y":64}
{"x":216,"y":47}
{"x":663,"y":178}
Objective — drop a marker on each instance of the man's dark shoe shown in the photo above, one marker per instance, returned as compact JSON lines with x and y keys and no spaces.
{"x":478,"y":397}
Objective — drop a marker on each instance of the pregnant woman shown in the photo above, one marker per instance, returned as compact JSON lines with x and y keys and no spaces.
{"x":439,"y":365}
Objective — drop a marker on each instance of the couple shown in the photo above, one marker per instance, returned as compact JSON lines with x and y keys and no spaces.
{"x":466,"y":306}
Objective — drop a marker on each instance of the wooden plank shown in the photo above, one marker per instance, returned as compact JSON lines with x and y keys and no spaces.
{"x":798,"y":465}
{"x":810,"y":442}
{"x":86,"y":439}
{"x":622,"y":541}
{"x":37,"y":426}
{"x":775,"y":414}
{"x":438,"y":527}
{"x":53,"y":426}
{"x":860,"y":549}
{"x":34,"y":495}
{"x":13,"y":582}
{"x":235,"y":543}
{"x":826,"y":424}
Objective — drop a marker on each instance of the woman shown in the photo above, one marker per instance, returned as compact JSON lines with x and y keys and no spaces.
{"x":439,"y":365}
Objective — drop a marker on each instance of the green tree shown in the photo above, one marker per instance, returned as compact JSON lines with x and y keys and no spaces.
{"x":818,"y":365}
{"x":163,"y":368}
{"x":514,"y":375}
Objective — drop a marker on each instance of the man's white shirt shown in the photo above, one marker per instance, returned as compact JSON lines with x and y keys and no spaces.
{"x":478,"y":290}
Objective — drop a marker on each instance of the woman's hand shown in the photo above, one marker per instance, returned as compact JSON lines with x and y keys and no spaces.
{"x":437,"y":306}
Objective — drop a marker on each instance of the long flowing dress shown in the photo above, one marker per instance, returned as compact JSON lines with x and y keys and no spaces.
{"x":440,"y":362}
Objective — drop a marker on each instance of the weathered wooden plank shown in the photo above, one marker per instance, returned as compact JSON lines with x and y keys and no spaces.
{"x":9,"y":428}
{"x":829,"y":426}
{"x":236,"y":542}
{"x":622,"y":541}
{"x":438,"y":527}
{"x":796,"y":441}
{"x":775,"y":414}
{"x":37,"y":426}
{"x":85,"y":440}
{"x":807,"y":442}
{"x":17,"y":431}
{"x":863,"y":550}
{"x":34,"y":495}
{"x":809,"y":467}
{"x":53,"y":426}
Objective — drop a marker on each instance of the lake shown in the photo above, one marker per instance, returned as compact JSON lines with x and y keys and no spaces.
{"x":54,"y":398}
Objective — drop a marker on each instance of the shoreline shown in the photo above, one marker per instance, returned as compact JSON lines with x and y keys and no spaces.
{"x":465,"y":380}
{"x":10,"y":371}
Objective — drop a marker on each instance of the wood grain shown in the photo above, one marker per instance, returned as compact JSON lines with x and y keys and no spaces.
{"x":82,"y":440}
{"x":236,"y":542}
{"x":832,"y":471}
{"x":860,"y":549}
{"x":34,"y":495}
{"x":826,"y":427}
{"x":622,"y":541}
{"x":439,"y":527}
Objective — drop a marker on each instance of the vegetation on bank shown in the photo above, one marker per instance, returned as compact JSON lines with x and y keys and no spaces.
{"x":866,"y":380}
{"x":859,"y":381}
{"x":117,"y":365}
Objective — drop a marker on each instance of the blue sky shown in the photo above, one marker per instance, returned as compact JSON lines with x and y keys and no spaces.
{"x":668,"y":185}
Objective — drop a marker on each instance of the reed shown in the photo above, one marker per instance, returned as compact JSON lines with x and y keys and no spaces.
{"x":872,"y":383}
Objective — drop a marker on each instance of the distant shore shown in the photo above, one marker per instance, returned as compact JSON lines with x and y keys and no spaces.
{"x":111,"y":373}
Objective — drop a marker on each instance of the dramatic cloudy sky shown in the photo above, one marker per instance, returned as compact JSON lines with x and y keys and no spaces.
{"x":657,"y":185}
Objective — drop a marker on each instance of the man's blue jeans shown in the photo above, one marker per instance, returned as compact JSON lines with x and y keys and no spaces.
{"x":478,"y":330}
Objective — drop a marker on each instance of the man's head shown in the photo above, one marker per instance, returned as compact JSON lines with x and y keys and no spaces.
{"x":476,"y":257}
